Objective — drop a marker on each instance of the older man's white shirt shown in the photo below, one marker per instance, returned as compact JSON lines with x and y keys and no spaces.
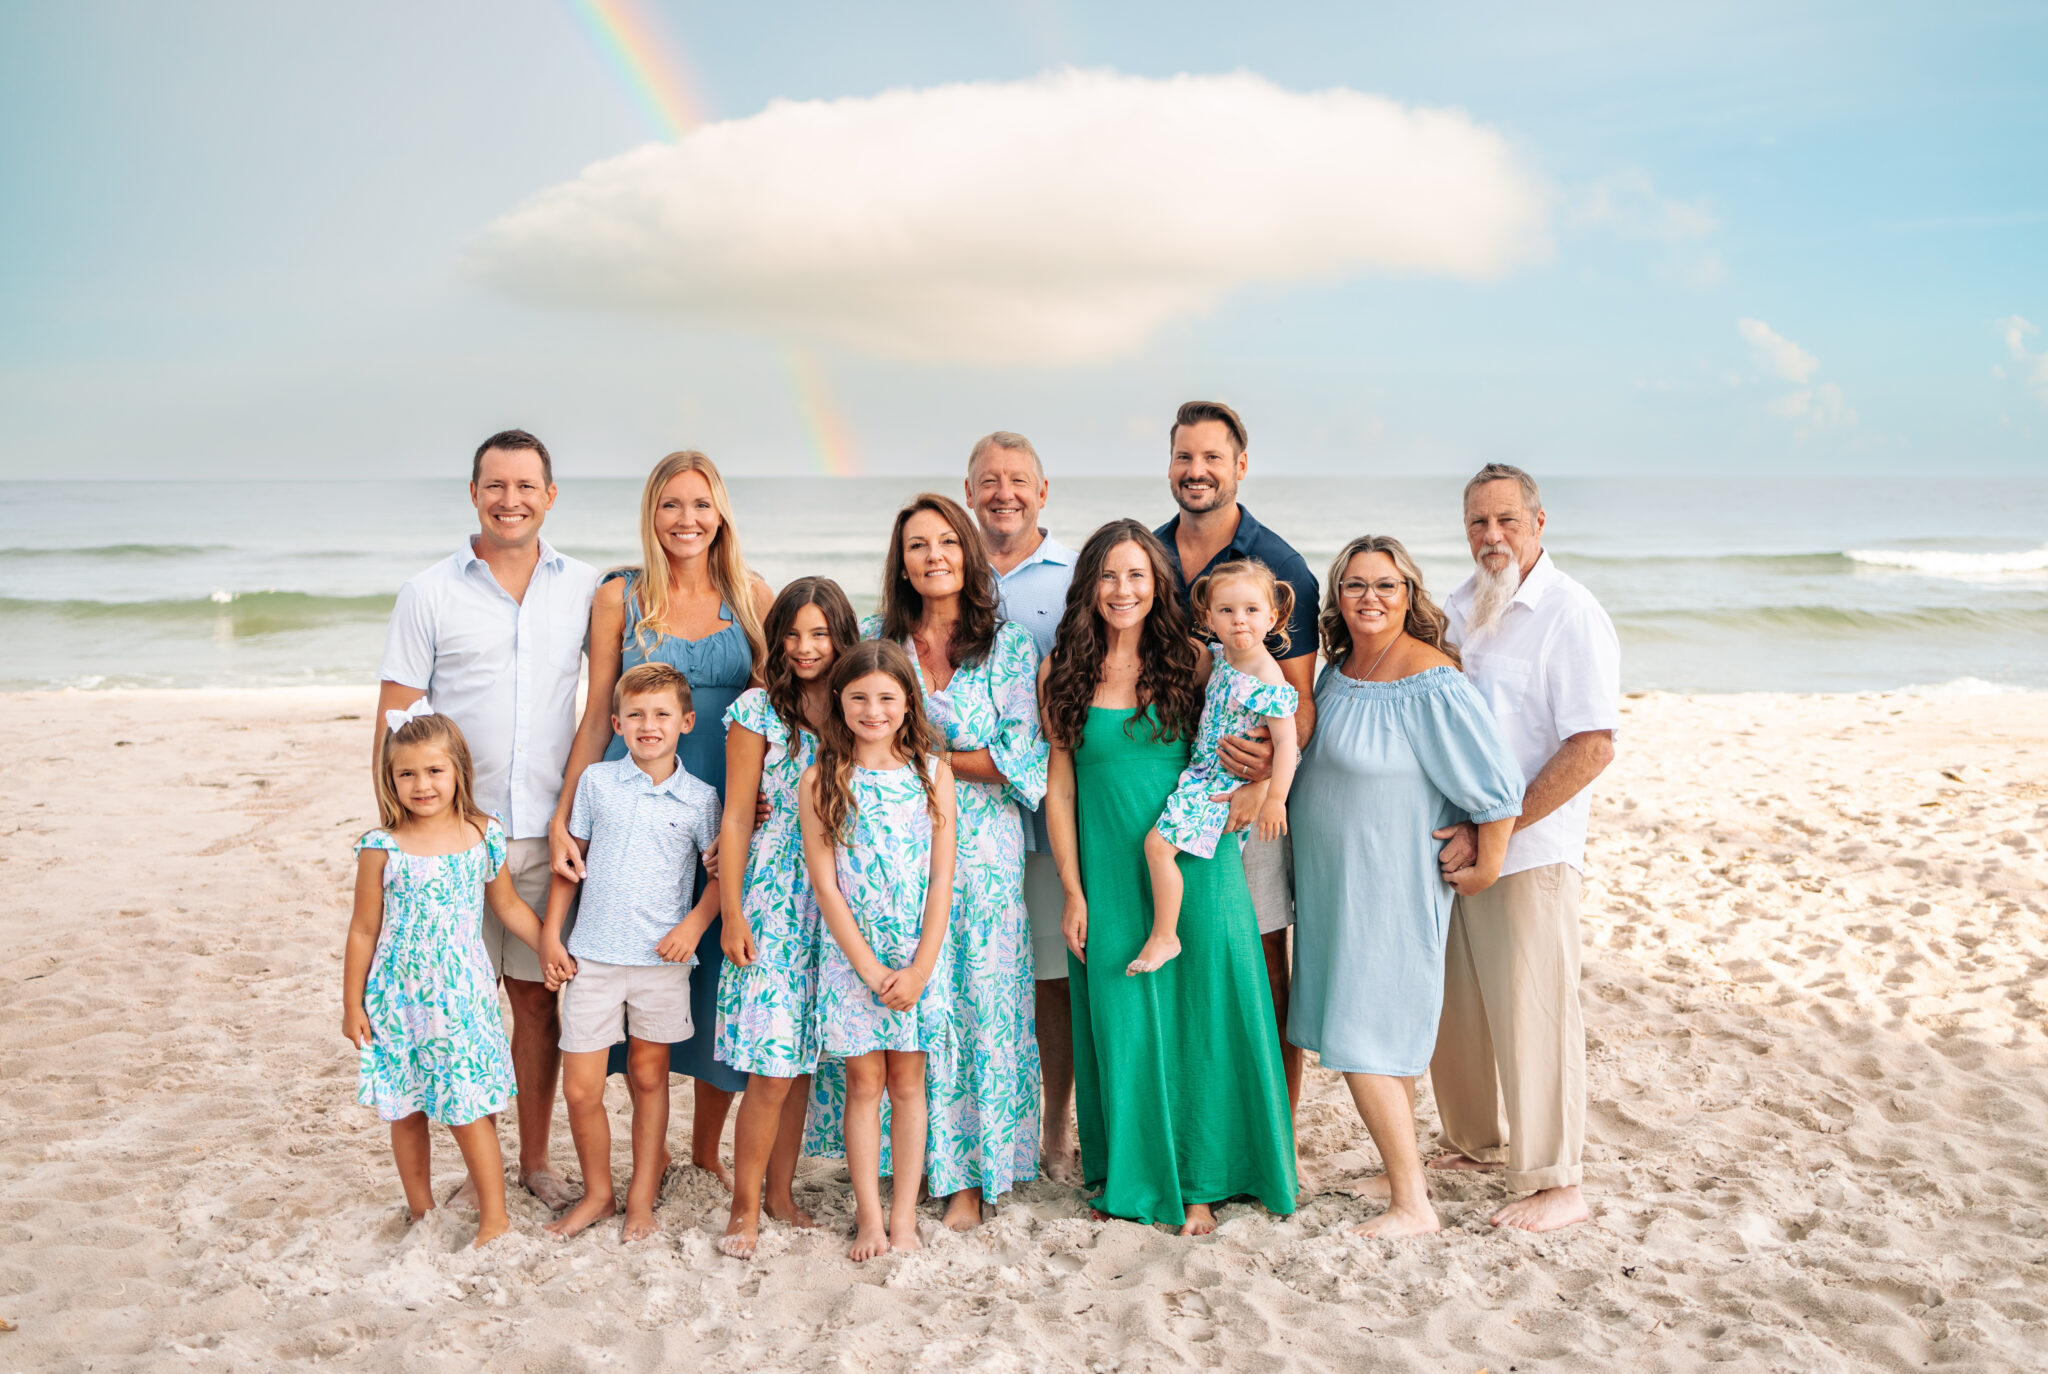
{"x":1551,"y":668}
{"x":505,"y":671}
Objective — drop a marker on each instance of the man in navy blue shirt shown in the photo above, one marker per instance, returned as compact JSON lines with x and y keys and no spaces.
{"x":1209,"y":457}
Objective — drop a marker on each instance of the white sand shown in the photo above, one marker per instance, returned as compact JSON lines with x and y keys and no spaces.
{"x":1816,"y":978}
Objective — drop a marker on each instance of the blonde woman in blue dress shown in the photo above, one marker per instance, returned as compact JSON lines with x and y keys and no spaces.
{"x":1239,"y":603}
{"x":878,"y":818}
{"x":419,"y":1000}
{"x":767,"y":996}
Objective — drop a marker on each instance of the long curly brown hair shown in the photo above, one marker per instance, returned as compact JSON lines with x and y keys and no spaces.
{"x":1166,"y":653}
{"x":785,"y":688}
{"x":1425,"y":620}
{"x":974,"y":634}
{"x":914,"y":742}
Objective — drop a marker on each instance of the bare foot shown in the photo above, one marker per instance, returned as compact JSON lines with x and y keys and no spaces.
{"x":903,"y":1234}
{"x":490,"y":1231}
{"x":543,"y":1184}
{"x":1057,"y":1159}
{"x":640,"y":1223}
{"x":1547,"y":1209}
{"x":1376,"y":1188}
{"x":1200,"y":1220}
{"x":1154,"y":955}
{"x":870,"y":1242}
{"x":716,"y":1168}
{"x":741,"y":1235}
{"x":590,"y":1208}
{"x":1458,"y":1163}
{"x":465,"y":1196}
{"x":668,"y":1162}
{"x":1398,"y":1221}
{"x":786,"y":1211}
{"x":963,"y":1212}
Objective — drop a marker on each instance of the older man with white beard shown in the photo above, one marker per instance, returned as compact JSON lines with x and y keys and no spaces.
{"x":1509,"y":1070}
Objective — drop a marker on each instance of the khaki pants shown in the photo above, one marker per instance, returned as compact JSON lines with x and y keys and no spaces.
{"x":1509,"y":1070}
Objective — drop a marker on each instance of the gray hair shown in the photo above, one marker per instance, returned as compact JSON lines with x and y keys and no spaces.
{"x":1507,"y":472}
{"x":1004,"y":438}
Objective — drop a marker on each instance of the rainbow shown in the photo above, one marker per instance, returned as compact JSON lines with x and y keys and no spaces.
{"x":654,"y":75}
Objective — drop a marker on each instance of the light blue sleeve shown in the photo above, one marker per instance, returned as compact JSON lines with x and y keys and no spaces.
{"x":579,"y":809}
{"x":1017,"y":749}
{"x":1462,"y":751}
{"x":409,"y":642}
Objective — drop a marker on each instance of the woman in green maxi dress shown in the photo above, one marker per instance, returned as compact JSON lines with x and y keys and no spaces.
{"x":1179,"y":1095}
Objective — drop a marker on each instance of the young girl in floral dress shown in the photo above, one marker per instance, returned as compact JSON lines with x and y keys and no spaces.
{"x":419,"y":1001}
{"x":767,"y":995}
{"x":872,"y":806}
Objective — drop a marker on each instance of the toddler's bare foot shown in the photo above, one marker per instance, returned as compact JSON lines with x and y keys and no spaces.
{"x":1154,"y":955}
{"x":543,"y":1184}
{"x":870,"y":1241}
{"x":490,"y":1230}
{"x":786,"y":1211}
{"x":963,"y":1213}
{"x":465,"y":1196}
{"x":640,"y":1223}
{"x":1375,"y":1188}
{"x":1544,"y":1210}
{"x":1399,"y":1221}
{"x":1200,"y":1220}
{"x":1456,"y":1162}
{"x":591,"y":1207}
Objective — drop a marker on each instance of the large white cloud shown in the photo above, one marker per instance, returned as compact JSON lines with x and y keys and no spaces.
{"x":1061,"y":219}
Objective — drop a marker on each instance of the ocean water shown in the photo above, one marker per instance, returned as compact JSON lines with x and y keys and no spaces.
{"x":1716,"y":585}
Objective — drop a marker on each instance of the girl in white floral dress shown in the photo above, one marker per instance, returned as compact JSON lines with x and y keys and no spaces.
{"x":768,"y":992}
{"x":1239,"y":603}
{"x":878,"y":815}
{"x":419,"y":1001}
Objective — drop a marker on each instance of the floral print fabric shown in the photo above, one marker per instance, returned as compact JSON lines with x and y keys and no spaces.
{"x":1236,"y":704}
{"x":767,"y":1010}
{"x":437,"y":1040}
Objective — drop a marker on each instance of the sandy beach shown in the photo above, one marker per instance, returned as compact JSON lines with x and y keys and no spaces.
{"x":1816,"y":983}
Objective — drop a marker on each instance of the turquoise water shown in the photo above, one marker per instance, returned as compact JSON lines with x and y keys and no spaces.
{"x":1715,"y":584}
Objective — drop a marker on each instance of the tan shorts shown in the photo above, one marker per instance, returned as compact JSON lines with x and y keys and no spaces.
{"x":1045,"y":899}
{"x":527,"y":862}
{"x":597,"y":1001}
{"x":1269,"y":875}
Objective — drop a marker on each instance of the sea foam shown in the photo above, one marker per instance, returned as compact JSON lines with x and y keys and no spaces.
{"x":1965,"y":566}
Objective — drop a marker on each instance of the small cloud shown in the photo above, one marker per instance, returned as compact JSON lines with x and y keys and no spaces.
{"x":1777,"y":354}
{"x":2032,"y":367}
{"x":1830,"y":409}
{"x":1062,"y":219}
{"x":2015,"y":329}
{"x":1628,"y":203}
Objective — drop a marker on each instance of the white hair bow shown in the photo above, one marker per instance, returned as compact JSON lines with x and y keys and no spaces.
{"x":395,"y":721}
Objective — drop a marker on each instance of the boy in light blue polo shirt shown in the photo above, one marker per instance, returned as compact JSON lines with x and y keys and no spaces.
{"x":643,"y":824}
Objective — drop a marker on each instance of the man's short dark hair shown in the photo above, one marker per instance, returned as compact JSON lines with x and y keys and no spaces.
{"x":512,"y":440}
{"x":1195,"y":412}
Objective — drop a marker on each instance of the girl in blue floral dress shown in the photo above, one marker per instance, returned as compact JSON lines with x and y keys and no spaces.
{"x":1239,"y":603}
{"x":767,"y":995}
{"x":878,"y":816}
{"x":419,"y":1001}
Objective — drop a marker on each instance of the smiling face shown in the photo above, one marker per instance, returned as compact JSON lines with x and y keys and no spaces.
{"x":807,"y":646}
{"x":933,"y":560}
{"x":1006,"y":493}
{"x":1241,"y":613}
{"x":423,"y":776}
{"x":686,"y":519}
{"x":1500,"y":525}
{"x":1125,"y":587}
{"x":512,"y":496}
{"x":651,"y":723}
{"x":1205,"y":468}
{"x":1373,"y":596}
{"x":874,"y":705}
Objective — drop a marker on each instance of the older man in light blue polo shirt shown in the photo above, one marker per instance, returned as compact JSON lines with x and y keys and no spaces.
{"x":1006,"y":489}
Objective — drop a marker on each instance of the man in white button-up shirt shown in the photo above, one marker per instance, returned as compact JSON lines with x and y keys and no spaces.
{"x":494,"y":636}
{"x":1510,"y":1065}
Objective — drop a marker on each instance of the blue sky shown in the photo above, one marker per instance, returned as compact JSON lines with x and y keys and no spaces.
{"x":240,"y":240}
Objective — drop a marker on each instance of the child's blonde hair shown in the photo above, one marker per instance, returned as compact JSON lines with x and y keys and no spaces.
{"x":1279,"y":594}
{"x":431,"y":729}
{"x":648,"y":678}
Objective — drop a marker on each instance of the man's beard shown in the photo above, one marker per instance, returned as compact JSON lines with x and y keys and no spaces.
{"x":1492,"y":591}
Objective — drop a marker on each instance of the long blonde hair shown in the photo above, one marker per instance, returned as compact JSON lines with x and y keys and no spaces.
{"x":1424,"y":621}
{"x":434,"y":729}
{"x":728,"y":566}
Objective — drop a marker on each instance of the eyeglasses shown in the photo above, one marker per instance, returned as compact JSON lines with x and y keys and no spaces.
{"x":1352,"y":589}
